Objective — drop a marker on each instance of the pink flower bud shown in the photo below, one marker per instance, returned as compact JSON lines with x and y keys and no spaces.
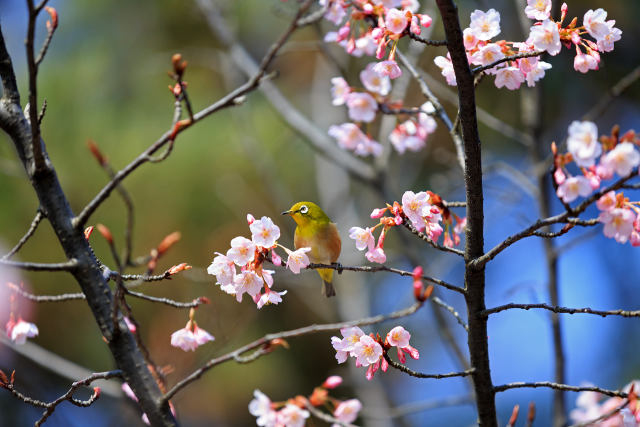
{"x":332,"y":382}
{"x":250,"y":219}
{"x":377,"y":213}
{"x":559,"y":176}
{"x":275,"y":258}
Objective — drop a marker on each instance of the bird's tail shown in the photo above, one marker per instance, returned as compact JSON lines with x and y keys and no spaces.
{"x":328,"y":290}
{"x":327,"y":287}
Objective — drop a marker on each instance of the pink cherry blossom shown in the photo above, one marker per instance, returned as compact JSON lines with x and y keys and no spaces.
{"x":332,"y":382}
{"x":269,"y":297}
{"x":242,"y":251}
{"x":396,"y":21}
{"x":583,"y":144}
{"x":341,"y":355}
{"x":292,"y":416}
{"x":339,"y":90}
{"x":607,"y":201}
{"x":485,"y":25}
{"x":487,"y":54}
{"x":415,"y":207}
{"x":362,"y":107}
{"x":336,"y":12}
{"x":569,"y":190}
{"x":368,"y":147}
{"x":297,"y":259}
{"x":618,"y":223}
{"x":348,"y":135}
{"x":411,"y":136}
{"x":347,"y":411}
{"x":376,"y":255}
{"x":446,"y":66}
{"x":223,"y":268}
{"x":388,"y":68}
{"x":398,"y":337}
{"x":595,"y":23}
{"x":264,"y":232}
{"x":545,"y":37}
{"x":367,"y":351}
{"x":365,"y":45}
{"x":538,"y":9}
{"x":19,"y":331}
{"x":469,"y":38}
{"x":261,"y":408}
{"x":509,"y":77}
{"x":622,"y":159}
{"x":363,"y":237}
{"x":248,"y":282}
{"x":605,"y":44}
{"x":375,"y":82}
{"x":537,"y":73}
{"x":190,"y":337}
{"x":583,"y":62}
{"x":345,"y":346}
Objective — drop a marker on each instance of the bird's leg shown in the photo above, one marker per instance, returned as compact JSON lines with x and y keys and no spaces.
{"x":338,"y":266}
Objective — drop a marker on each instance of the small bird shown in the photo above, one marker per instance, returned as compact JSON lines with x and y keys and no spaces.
{"x":316,"y":231}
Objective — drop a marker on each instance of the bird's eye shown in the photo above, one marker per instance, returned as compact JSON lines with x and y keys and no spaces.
{"x":304,"y":209}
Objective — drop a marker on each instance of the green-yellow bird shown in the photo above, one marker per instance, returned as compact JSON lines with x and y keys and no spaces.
{"x":316,"y":231}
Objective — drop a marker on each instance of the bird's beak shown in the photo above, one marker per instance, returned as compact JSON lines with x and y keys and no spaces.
{"x":286,"y":213}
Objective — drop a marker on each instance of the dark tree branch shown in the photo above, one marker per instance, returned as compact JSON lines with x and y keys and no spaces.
{"x":167,"y":301}
{"x":36,"y":143}
{"x":567,"y":310}
{"x":426,"y":238}
{"x":482,"y":68}
{"x":557,"y":386}
{"x":27,"y":235}
{"x":426,"y":41}
{"x":265,"y":344}
{"x":474,"y":237}
{"x":401,"y":367}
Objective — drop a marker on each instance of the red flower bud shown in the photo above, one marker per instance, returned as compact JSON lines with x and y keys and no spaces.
{"x":102,"y":229}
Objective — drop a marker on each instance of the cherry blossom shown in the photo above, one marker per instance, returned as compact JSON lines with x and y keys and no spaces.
{"x":242,"y":250}
{"x":414,"y":207}
{"x":190,"y":337}
{"x":572,"y":187}
{"x":618,"y":223}
{"x":269,"y":297}
{"x":583,"y":62}
{"x":348,"y":135}
{"x":545,"y":37}
{"x":19,"y":331}
{"x":367,"y":351}
{"x":388,"y":68}
{"x":607,"y":201}
{"x":249,"y":282}
{"x":297,"y":259}
{"x":509,"y":77}
{"x":292,"y":416}
{"x":373,"y":81}
{"x":362,"y":107}
{"x":487,"y":54}
{"x":538,"y":9}
{"x":347,"y":411}
{"x":605,"y":44}
{"x":595,"y":24}
{"x":261,"y":408}
{"x":398,"y":337}
{"x":583,"y":144}
{"x":485,"y":25}
{"x":264,"y":232}
{"x":622,"y":159}
{"x":363,"y":237}
{"x":447,"y":68}
{"x":339,"y":90}
{"x":469,"y":38}
{"x":376,"y":255}
{"x":537,"y":73}
{"x":396,"y":21}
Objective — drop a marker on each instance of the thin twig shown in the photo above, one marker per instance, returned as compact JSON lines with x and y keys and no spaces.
{"x":45,"y":298}
{"x":39,"y":266}
{"x":32,"y":228}
{"x":266,"y":343}
{"x":451,"y":310}
{"x":567,"y":310}
{"x":373,"y":269}
{"x":611,"y":413}
{"x":426,"y":41}
{"x":426,"y":238}
{"x":482,"y":68}
{"x":167,"y":301}
{"x":411,"y":372}
{"x":557,"y":386}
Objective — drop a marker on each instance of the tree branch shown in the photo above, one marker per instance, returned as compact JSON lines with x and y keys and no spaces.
{"x":557,"y":309}
{"x":451,"y":310}
{"x":482,"y":68}
{"x":27,"y":235}
{"x":401,"y":367}
{"x":71,"y":265}
{"x":265,"y":344}
{"x":557,"y":386}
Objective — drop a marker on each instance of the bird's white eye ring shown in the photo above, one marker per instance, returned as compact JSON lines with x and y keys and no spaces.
{"x":304,"y":209}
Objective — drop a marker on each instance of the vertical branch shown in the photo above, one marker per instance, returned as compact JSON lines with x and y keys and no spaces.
{"x":474,"y":276}
{"x":38,"y":157}
{"x":531,"y":115}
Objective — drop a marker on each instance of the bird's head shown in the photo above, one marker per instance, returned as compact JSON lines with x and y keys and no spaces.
{"x":304,"y":213}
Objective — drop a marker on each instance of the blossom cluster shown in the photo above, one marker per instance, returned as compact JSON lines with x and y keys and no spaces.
{"x":369,"y":350}
{"x":249,"y":255}
{"x":600,"y":159}
{"x":590,"y":406}
{"x":425,"y":211}
{"x":393,"y":19}
{"x":291,"y":412}
{"x":545,"y":35}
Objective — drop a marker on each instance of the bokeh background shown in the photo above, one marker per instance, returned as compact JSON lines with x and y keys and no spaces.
{"x":105,"y":79}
